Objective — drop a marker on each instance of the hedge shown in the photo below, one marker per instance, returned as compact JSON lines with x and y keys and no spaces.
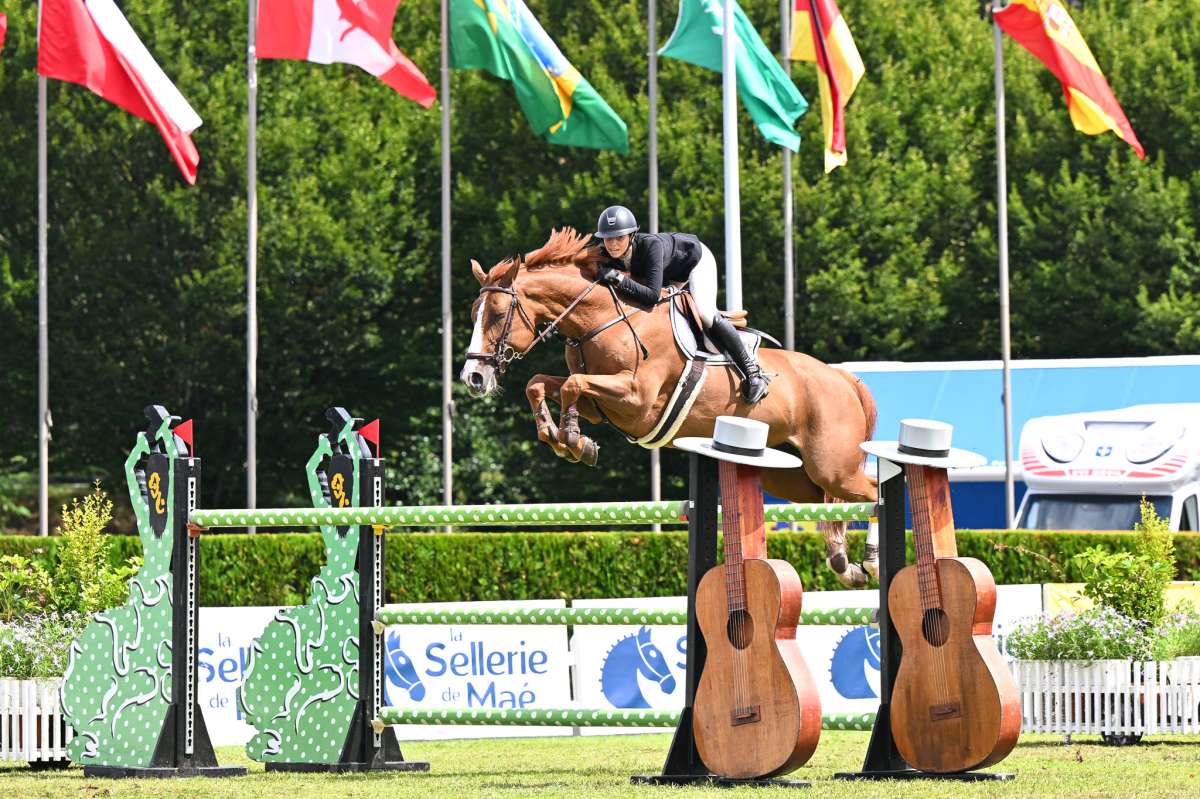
{"x":275,"y":568}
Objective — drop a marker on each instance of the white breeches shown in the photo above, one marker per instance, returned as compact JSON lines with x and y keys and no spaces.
{"x":702,"y":282}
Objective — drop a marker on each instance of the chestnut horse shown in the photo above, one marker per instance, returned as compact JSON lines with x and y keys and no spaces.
{"x":625,"y":373}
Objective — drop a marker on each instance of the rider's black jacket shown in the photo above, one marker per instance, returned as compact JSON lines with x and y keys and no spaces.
{"x":657,"y":258}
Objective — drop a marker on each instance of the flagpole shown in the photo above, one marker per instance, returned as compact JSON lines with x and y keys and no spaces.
{"x":1002,"y":241}
{"x":652,"y":158}
{"x":733,"y":230}
{"x":43,"y":316}
{"x":789,"y":267}
{"x":447,"y":396}
{"x":251,"y":257}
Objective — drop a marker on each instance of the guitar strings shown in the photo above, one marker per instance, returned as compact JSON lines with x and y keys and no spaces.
{"x":931,"y":623}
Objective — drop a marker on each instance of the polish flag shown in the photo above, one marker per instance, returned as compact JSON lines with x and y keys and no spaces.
{"x":357,"y":32}
{"x":89,"y":42}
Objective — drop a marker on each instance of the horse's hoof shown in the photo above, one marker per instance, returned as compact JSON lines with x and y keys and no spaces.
{"x":849,"y":574}
{"x":590,"y":455}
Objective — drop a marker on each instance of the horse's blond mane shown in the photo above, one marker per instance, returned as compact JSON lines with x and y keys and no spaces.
{"x":565,"y":247}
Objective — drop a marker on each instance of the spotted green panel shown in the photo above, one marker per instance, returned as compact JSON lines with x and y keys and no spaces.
{"x":400,"y":614}
{"x":571,"y":717}
{"x":615,"y":513}
{"x":117,"y":688}
{"x":300,"y":687}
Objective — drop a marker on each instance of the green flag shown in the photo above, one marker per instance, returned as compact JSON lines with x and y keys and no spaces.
{"x":769,"y":95}
{"x":503,"y":37}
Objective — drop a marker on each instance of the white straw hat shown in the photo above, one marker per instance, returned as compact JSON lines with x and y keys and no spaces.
{"x":739,"y":440}
{"x":924,"y":442}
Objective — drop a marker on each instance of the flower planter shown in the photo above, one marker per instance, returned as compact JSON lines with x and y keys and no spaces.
{"x":1120,"y":700}
{"x":31,"y":723}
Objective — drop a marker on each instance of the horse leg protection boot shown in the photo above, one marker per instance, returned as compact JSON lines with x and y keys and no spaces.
{"x":725,"y":336}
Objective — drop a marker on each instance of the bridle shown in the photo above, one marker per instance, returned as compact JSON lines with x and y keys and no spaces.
{"x":504,"y":354}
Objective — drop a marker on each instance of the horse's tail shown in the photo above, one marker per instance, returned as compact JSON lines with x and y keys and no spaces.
{"x":851,"y":574}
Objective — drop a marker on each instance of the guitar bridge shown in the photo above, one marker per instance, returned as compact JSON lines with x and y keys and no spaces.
{"x":950,"y":710}
{"x":745,"y":715}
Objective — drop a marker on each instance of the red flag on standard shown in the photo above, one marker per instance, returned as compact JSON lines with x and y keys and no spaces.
{"x":3,"y":29}
{"x":89,"y":42}
{"x":343,"y":32}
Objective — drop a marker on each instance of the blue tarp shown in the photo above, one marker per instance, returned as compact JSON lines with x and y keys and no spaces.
{"x":968,"y":395}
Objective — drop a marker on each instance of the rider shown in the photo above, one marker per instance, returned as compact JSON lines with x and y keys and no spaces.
{"x":650,"y":259}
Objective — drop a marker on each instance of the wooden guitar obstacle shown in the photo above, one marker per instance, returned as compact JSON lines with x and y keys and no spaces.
{"x":948,"y":703}
{"x":757,"y":711}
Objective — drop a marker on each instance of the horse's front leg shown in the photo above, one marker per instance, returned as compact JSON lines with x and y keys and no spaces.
{"x":578,"y":391}
{"x":536,"y":390}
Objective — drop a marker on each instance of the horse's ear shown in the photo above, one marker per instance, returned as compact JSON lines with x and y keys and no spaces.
{"x":477,"y":270}
{"x":510,"y":274}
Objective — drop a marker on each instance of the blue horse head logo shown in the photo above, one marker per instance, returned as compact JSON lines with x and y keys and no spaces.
{"x":855,"y":655}
{"x":399,"y":670}
{"x":632,"y":656}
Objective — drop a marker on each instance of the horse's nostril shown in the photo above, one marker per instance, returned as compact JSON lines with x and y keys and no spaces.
{"x":475,"y":380}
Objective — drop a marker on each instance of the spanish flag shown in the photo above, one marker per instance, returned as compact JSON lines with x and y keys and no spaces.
{"x":820,"y":34}
{"x":1044,"y":28}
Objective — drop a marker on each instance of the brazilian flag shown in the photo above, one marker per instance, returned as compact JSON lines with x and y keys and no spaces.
{"x":503,"y":37}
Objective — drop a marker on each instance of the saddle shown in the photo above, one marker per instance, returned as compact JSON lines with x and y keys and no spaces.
{"x":689,"y":332}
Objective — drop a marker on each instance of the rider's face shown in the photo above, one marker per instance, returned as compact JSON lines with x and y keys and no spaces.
{"x":617,"y":245}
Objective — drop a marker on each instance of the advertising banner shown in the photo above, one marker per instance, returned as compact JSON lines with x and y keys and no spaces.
{"x":478,"y":666}
{"x":224,"y":640}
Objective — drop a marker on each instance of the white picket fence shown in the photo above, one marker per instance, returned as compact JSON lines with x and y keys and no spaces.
{"x":31,"y":722}
{"x":1109,"y":697}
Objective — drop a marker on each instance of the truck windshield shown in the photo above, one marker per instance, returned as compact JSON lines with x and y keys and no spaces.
{"x":1087,"y":512}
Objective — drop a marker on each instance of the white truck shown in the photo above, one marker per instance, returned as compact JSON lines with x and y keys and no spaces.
{"x":1089,"y":471}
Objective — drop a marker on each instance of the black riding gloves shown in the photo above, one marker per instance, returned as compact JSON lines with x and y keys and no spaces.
{"x":610,"y":275}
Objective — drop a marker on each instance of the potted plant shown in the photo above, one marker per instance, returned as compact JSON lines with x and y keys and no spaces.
{"x":1124,"y":667}
{"x":41,"y":612}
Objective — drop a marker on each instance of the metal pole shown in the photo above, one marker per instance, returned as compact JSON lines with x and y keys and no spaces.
{"x":43,"y":319}
{"x":447,"y":397}
{"x":652,"y":157}
{"x":789,"y":267}
{"x":1002,"y":240}
{"x":251,"y":257}
{"x":733,"y":229}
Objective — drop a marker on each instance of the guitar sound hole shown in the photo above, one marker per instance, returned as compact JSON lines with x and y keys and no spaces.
{"x":935,"y":626}
{"x":740,"y":629}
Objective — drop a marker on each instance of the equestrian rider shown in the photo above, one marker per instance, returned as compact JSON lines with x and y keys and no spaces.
{"x":641,"y":262}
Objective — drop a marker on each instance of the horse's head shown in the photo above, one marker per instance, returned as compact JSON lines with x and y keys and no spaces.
{"x":653,"y":664}
{"x":518,"y":294}
{"x":502,"y":327}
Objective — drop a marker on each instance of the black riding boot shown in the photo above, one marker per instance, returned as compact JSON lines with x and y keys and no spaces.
{"x":725,"y":336}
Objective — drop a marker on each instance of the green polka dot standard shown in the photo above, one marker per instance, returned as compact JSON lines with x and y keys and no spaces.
{"x":300,"y":687}
{"x":400,"y":614}
{"x":117,"y":688}
{"x":571,"y":717}
{"x":558,"y":515}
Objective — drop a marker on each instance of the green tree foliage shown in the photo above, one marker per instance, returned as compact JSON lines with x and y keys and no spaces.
{"x":895,"y":253}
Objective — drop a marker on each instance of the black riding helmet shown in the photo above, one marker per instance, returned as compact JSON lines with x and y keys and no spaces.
{"x":616,"y":220}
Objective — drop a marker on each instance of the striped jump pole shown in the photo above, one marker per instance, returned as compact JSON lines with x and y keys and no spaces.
{"x":554,"y":514}
{"x":570,"y":717}
{"x":402,"y":614}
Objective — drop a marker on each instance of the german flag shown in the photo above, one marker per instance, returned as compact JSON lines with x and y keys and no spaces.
{"x":820,"y":34}
{"x":1044,"y":28}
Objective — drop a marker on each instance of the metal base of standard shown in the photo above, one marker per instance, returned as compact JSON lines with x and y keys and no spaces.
{"x":339,"y":768}
{"x":913,"y":774}
{"x":127,"y":772}
{"x":713,"y":781}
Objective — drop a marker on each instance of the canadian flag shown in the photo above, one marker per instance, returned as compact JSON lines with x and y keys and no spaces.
{"x":89,"y":42}
{"x":357,"y":32}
